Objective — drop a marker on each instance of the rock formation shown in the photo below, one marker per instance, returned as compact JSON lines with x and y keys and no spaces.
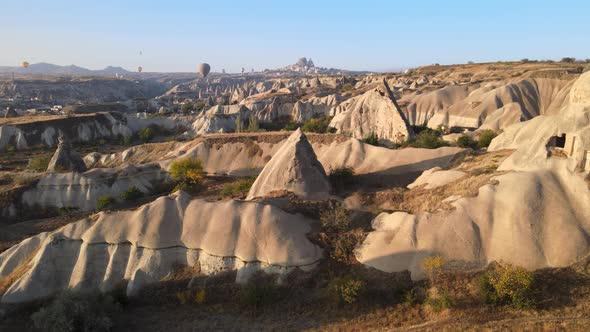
{"x":534,"y":216}
{"x":374,"y":112}
{"x":293,"y":168}
{"x":65,"y":159}
{"x":142,"y":246}
{"x":10,"y":112}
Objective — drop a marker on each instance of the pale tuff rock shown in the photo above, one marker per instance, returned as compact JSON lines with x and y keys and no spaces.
{"x":144,"y":245}
{"x":293,"y":168}
{"x":535,"y":216}
{"x":65,"y":159}
{"x":374,"y":112}
{"x":220,"y":119}
{"x":436,"y":177}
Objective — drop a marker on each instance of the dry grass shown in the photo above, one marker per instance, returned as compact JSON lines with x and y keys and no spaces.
{"x":18,"y":272}
{"x":480,"y":169}
{"x":39,"y":118}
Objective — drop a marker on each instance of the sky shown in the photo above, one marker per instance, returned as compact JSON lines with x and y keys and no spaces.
{"x":369,"y":35}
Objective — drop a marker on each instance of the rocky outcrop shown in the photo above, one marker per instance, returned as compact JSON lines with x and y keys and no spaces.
{"x":144,"y":245}
{"x":10,"y":112}
{"x":65,"y":159}
{"x":220,"y":119}
{"x":81,"y":190}
{"x":534,"y":216}
{"x":374,"y":112}
{"x":293,"y":168}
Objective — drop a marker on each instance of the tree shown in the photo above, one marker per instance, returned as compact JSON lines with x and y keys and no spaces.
{"x":253,"y":124}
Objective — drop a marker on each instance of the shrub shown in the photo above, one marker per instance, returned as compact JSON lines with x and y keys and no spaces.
{"x":258,"y":292}
{"x":507,"y":284}
{"x":105,"y":202}
{"x":10,"y":148}
{"x":131,"y":194}
{"x":67,"y":210}
{"x":341,"y":177}
{"x":486,"y":138}
{"x":335,"y":219}
{"x":319,"y":126}
{"x":347,"y":87}
{"x":39,"y":164}
{"x":342,"y":247}
{"x":146,"y":134}
{"x":187,"y":171}
{"x":72,"y":311}
{"x":292,"y":126}
{"x":413,"y":296}
{"x":372,"y":139}
{"x":346,"y":289}
{"x":239,"y":188}
{"x":433,"y":267}
{"x":465,"y":141}
{"x":127,"y":140}
{"x":428,"y":139}
{"x":192,"y":296}
{"x":440,"y":302}
{"x":253,"y":125}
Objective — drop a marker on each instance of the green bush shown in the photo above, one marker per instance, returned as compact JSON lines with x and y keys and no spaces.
{"x":372,"y":139}
{"x":335,"y":219}
{"x":342,"y":177}
{"x":507,"y":284}
{"x":346,"y":289}
{"x":127,"y":140}
{"x":465,"y":141}
{"x":105,"y":202}
{"x":10,"y":148}
{"x":131,"y":194}
{"x":239,"y":188}
{"x":486,"y":138}
{"x":258,"y":292}
{"x":188,"y":170}
{"x":71,"y":311}
{"x":146,"y":134}
{"x":39,"y":164}
{"x":440,"y":302}
{"x":292,"y":126}
{"x":428,"y":139}
{"x":188,"y":173}
{"x":319,"y":126}
{"x":253,"y":125}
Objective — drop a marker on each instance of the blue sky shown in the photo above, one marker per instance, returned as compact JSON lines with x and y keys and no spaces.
{"x":362,"y":35}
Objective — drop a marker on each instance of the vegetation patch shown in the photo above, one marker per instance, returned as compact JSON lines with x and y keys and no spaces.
{"x":346,"y":290}
{"x":131,"y":194}
{"x":238,"y":189}
{"x":39,"y":164}
{"x":72,"y":311}
{"x":105,"y":202}
{"x":507,"y":284}
{"x":188,"y":174}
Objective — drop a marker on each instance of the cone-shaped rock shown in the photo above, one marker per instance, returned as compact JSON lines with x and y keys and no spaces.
{"x":65,"y":159}
{"x":293,"y":168}
{"x":374,"y":112}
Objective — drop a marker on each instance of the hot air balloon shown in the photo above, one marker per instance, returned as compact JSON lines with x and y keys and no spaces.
{"x":139,"y":69}
{"x":25,"y":64}
{"x":204,"y":69}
